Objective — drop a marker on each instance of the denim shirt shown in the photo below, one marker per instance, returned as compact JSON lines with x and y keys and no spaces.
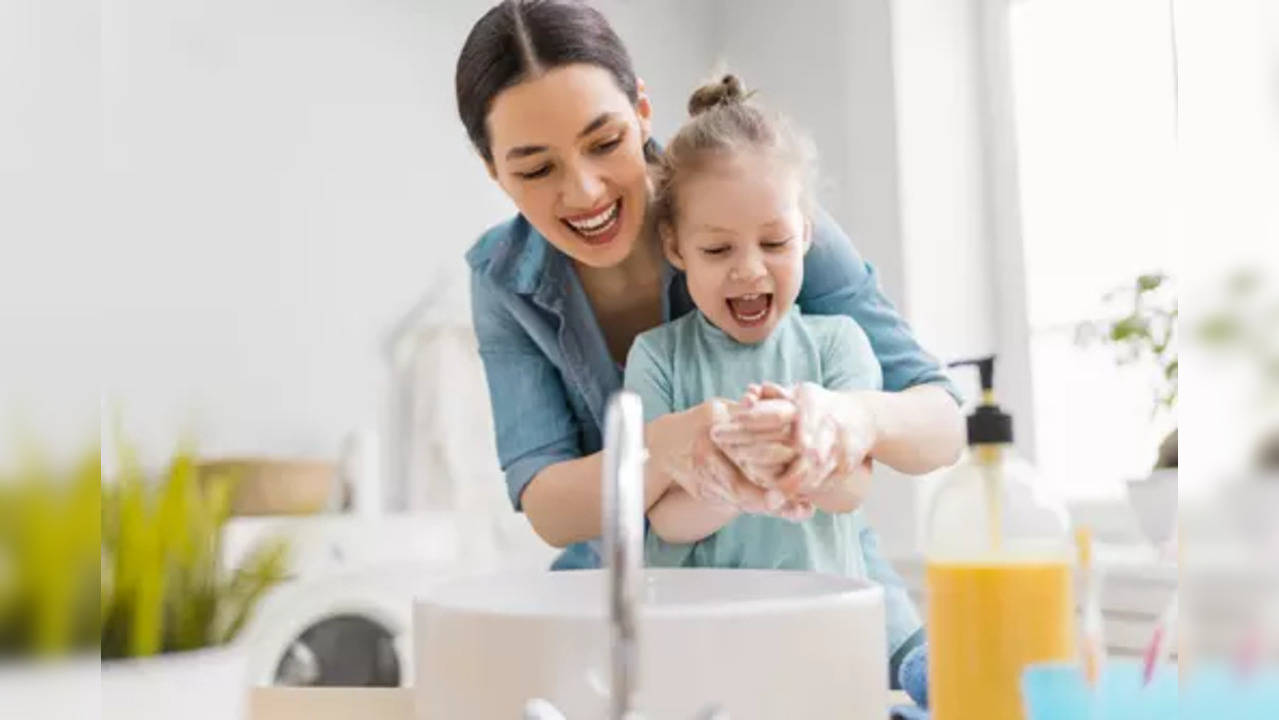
{"x":549,"y":369}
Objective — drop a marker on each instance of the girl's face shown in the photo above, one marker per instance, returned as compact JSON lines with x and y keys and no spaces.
{"x":568,"y":148}
{"x":740,"y":237}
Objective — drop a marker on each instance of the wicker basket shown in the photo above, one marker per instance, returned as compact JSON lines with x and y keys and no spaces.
{"x":278,"y":487}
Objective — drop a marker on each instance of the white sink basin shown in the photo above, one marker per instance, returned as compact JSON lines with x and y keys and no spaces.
{"x":761,"y":644}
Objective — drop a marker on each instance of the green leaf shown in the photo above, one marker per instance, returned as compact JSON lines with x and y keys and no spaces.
{"x":265,"y":567}
{"x":1129,"y":328}
{"x":1146,"y":283}
{"x":1219,"y":330}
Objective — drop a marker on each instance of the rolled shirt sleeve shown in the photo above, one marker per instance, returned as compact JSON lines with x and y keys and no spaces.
{"x":533,"y":423}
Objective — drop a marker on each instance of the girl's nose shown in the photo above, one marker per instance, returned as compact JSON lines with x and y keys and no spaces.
{"x":749,"y":268}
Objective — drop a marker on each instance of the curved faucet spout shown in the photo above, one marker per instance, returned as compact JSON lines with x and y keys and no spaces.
{"x":623,"y":525}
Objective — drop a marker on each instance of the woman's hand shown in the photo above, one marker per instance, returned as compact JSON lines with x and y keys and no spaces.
{"x":680,"y":446}
{"x":834,"y":434}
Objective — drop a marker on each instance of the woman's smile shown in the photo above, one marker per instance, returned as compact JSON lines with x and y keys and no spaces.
{"x":597,"y":227}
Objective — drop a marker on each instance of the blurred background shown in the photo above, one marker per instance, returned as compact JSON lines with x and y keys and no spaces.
{"x":240,"y":225}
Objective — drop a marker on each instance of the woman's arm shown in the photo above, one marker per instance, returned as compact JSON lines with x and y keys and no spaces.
{"x":914,"y":425}
{"x":681,"y":518}
{"x":914,"y":431}
{"x":563,"y":501}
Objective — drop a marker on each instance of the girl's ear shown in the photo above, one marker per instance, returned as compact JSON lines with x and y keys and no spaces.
{"x":808,"y":233}
{"x":670,"y":245}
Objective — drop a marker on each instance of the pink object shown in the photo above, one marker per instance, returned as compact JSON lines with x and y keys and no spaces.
{"x":1160,"y":641}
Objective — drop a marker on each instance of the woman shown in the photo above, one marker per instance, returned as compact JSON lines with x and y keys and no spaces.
{"x":551,"y":103}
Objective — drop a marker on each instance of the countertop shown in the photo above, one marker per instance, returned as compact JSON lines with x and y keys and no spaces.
{"x":354,"y":703}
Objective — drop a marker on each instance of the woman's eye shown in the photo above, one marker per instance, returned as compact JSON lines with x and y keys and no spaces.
{"x":607,"y":146}
{"x":535,"y":173}
{"x":716,"y":250}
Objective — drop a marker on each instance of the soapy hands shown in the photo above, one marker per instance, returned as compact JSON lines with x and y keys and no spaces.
{"x":804,"y":447}
{"x":699,"y":466}
{"x":785,"y":452}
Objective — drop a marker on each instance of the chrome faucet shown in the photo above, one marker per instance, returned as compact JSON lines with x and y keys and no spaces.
{"x":623,"y":526}
{"x":623,"y":530}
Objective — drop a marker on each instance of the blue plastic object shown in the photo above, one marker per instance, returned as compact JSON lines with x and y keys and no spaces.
{"x":1058,"y":691}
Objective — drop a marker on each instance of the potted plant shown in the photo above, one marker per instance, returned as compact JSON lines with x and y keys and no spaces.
{"x":1141,"y":329}
{"x":130,"y":567}
{"x":49,"y":595}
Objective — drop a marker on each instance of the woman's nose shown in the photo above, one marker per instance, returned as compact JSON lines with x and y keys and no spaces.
{"x":582,"y":188}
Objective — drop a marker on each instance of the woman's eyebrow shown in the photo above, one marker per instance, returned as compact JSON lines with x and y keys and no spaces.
{"x":596,"y":124}
{"x":524,"y":151}
{"x":521,"y":151}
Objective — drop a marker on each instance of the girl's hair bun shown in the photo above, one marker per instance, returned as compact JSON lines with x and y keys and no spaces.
{"x":727,"y":91}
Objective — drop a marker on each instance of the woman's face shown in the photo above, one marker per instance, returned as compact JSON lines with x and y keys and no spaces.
{"x":568,"y":147}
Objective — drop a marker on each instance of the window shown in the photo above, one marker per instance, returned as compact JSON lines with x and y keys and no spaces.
{"x":1093,"y":102}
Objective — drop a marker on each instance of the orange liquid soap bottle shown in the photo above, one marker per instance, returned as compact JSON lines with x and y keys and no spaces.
{"x":999,"y":573}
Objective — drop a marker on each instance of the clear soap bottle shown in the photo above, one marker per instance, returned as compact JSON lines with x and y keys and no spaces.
{"x":999,"y":573}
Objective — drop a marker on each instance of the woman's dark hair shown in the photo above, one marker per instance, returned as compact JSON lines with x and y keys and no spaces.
{"x":518,"y":39}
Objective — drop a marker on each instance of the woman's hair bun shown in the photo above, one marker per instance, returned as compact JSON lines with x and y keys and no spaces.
{"x":726,"y":91}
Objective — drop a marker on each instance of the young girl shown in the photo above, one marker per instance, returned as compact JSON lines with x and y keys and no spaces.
{"x":734,"y":211}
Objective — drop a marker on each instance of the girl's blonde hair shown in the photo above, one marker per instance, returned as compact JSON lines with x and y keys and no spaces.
{"x":722,"y":123}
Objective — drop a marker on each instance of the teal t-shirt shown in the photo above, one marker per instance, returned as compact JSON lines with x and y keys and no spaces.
{"x":688,"y":361}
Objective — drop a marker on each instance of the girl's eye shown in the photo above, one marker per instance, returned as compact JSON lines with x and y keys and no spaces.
{"x":541,"y":171}
{"x":716,"y":250}
{"x":774,"y":244}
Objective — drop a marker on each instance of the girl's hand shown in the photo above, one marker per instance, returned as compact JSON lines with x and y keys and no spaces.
{"x":681,"y":447}
{"x":757,"y":436}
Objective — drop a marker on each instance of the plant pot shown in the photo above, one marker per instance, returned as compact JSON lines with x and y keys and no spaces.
{"x":1153,"y":500}
{"x":209,"y":684}
{"x":51,"y":690}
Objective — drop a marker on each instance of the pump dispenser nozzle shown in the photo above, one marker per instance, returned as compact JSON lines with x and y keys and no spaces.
{"x":988,"y":424}
{"x":986,"y":366}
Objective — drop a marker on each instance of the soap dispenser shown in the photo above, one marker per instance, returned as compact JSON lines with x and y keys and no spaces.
{"x":999,"y":561}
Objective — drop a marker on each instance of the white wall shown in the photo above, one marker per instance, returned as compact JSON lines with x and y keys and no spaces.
{"x":286,"y":178}
{"x":828,"y":65}
{"x":52,"y":247}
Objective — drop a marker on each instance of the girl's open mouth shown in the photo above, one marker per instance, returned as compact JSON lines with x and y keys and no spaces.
{"x":750,"y":310}
{"x":598,"y":228}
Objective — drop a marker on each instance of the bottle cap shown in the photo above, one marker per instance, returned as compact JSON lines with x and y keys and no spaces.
{"x":988,"y":424}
